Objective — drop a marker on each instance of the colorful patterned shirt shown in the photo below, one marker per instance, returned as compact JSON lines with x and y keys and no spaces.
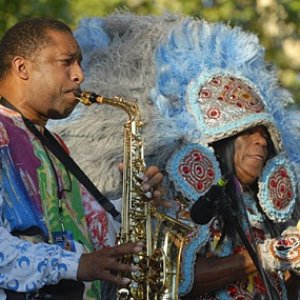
{"x":37,"y":193}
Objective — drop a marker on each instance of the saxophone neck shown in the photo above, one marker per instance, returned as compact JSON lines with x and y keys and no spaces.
{"x":130,"y":107}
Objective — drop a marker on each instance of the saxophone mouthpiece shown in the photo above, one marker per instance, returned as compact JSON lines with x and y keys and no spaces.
{"x":87,"y":98}
{"x":78,"y":94}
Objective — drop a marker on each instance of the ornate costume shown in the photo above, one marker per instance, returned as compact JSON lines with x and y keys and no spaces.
{"x":196,"y":83}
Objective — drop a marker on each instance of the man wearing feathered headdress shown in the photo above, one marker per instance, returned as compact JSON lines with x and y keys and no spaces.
{"x":212,"y":109}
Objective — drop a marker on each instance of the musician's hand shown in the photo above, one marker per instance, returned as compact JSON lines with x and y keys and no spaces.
{"x":152,"y":186}
{"x":104,"y":264}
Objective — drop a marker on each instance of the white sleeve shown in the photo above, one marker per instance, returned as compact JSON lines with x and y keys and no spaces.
{"x":25,"y":266}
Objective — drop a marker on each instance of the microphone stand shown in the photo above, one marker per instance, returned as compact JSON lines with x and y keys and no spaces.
{"x":232,"y":217}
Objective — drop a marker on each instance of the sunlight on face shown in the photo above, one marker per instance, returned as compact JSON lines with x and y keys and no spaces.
{"x":54,"y":77}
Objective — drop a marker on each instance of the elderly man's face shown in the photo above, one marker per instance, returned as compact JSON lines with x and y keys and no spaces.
{"x":251,"y":151}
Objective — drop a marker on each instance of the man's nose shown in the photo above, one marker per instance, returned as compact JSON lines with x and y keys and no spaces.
{"x":259,"y":138}
{"x":77,"y":73}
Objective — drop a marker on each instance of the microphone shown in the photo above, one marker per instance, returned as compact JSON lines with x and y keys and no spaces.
{"x":203,"y":210}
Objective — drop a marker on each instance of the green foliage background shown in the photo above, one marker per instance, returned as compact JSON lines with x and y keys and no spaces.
{"x":275,"y":22}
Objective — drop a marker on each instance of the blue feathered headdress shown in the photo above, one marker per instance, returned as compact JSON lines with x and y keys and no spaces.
{"x":196,"y":52}
{"x":217,"y":77}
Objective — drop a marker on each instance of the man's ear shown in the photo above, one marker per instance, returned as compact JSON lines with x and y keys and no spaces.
{"x":20,"y":67}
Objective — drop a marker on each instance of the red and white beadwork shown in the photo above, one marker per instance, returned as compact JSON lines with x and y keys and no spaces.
{"x":277,"y":188}
{"x":222,"y":105}
{"x":219,"y":91}
{"x":193,"y":169}
{"x":281,"y":191}
{"x":197,"y":169}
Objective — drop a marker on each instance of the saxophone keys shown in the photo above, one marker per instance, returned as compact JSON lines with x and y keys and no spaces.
{"x":123,"y":294}
{"x":136,"y":259}
{"x":136,"y":291}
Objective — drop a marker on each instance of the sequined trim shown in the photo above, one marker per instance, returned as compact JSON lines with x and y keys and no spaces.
{"x":189,"y":258}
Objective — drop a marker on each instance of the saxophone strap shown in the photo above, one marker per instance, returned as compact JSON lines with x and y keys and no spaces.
{"x":48,"y":140}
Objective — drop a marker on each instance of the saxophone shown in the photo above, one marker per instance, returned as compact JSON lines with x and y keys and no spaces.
{"x":159,"y":262}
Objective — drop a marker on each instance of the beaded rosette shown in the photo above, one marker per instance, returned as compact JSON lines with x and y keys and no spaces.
{"x":193,"y":169}
{"x":277,"y":189}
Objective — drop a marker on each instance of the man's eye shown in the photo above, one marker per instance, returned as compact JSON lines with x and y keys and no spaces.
{"x":66,"y":61}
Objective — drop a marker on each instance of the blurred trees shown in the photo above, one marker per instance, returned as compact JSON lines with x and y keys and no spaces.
{"x":12,"y":11}
{"x":275,"y":22}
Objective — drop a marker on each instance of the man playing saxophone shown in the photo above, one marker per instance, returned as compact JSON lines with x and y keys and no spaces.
{"x":54,"y":241}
